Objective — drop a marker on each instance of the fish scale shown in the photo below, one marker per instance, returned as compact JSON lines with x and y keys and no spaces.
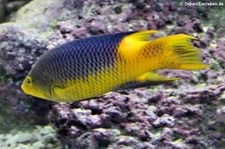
{"x":80,"y":56}
{"x":95,"y":65}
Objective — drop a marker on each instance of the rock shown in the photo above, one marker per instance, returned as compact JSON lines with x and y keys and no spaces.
{"x":49,"y":138}
{"x":24,"y":137}
{"x":34,"y":138}
{"x":22,"y":146}
{"x":181,"y":22}
{"x":46,"y":130}
{"x":129,"y":142}
{"x":221,"y":114}
{"x":165,"y":120}
{"x":98,"y":138}
{"x":38,"y":145}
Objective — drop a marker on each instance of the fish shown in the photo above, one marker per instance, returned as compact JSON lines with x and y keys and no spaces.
{"x":93,"y":66}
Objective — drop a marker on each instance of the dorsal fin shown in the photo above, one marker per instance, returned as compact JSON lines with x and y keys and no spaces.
{"x":141,"y":35}
{"x":133,"y":43}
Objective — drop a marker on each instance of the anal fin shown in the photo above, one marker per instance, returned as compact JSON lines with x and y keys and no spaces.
{"x":147,"y":79}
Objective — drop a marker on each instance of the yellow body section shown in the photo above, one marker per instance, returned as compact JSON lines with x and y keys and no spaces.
{"x":137,"y":56}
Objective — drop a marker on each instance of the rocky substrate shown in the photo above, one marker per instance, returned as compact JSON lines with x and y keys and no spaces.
{"x":188,"y":117}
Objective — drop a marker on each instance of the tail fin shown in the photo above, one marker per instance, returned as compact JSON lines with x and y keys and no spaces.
{"x":184,"y":55}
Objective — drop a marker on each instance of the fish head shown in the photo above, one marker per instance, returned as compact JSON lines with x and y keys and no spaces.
{"x":34,"y":86}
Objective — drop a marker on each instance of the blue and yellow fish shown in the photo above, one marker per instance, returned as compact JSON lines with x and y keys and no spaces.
{"x":93,"y":66}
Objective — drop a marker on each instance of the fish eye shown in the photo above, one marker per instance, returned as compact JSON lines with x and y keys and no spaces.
{"x":29,"y":80}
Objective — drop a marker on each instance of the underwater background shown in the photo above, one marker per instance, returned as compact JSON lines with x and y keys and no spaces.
{"x":185,"y":114}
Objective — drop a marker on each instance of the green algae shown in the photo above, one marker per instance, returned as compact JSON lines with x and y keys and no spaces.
{"x":30,"y":17}
{"x":39,"y":137}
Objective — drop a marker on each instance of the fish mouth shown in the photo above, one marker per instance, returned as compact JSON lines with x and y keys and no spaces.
{"x":23,"y":88}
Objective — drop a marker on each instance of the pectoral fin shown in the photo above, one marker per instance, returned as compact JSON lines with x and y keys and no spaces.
{"x":147,"y":79}
{"x":62,"y":94}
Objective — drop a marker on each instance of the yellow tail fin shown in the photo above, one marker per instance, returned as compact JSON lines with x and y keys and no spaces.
{"x":184,"y":55}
